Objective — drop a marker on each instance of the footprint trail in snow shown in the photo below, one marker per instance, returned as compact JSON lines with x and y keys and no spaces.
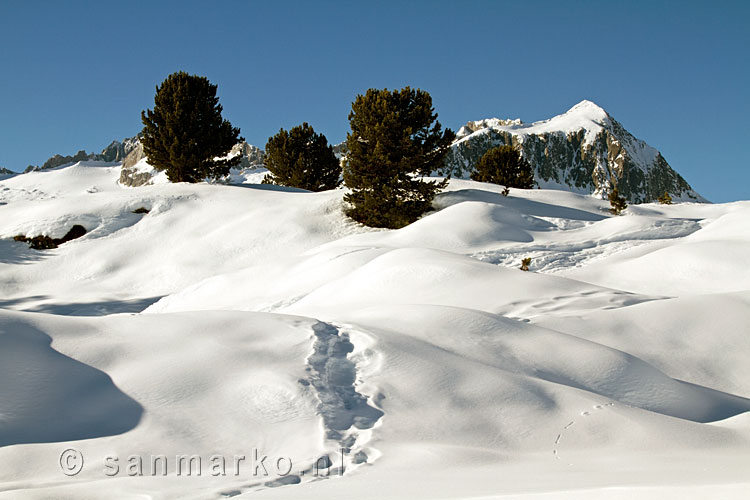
{"x":345,"y":412}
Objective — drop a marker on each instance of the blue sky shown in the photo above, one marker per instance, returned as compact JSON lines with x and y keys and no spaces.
{"x":76,"y":75}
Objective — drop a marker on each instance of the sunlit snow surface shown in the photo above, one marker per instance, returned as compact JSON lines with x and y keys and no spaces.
{"x":420,"y":363}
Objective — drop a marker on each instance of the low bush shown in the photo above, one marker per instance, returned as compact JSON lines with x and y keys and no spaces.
{"x":665,"y":199}
{"x":42,"y":242}
{"x":617,"y":203}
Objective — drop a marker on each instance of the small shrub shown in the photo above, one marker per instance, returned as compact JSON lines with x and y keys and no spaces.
{"x":504,"y":165}
{"x":42,"y":242}
{"x":75,"y":232}
{"x":617,"y":203}
{"x":525,"y":263}
{"x":506,"y":191}
{"x":665,"y":199}
{"x":141,"y":210}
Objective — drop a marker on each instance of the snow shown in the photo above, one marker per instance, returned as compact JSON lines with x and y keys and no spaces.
{"x":586,"y":116}
{"x":239,"y":318}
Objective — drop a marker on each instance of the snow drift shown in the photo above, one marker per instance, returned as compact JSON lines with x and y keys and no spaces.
{"x":247,"y":321}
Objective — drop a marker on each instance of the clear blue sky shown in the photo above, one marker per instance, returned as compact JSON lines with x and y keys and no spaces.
{"x":76,"y":75}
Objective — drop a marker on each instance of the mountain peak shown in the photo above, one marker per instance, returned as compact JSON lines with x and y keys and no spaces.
{"x":587,"y":111}
{"x":583,"y":150}
{"x":587,"y":106}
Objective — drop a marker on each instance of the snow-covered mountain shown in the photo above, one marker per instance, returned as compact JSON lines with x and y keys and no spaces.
{"x":116,"y":151}
{"x":584,"y":150}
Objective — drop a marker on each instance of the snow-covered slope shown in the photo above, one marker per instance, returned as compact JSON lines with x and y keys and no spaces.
{"x":235,"y":320}
{"x":584,"y":150}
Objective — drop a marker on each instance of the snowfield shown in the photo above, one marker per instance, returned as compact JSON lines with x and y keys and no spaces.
{"x":284,"y":351}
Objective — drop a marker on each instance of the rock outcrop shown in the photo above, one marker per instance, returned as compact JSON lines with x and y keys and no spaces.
{"x":583,"y":150}
{"x":116,"y":151}
{"x":252,"y":156}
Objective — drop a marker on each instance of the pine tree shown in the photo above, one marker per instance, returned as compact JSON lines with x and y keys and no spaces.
{"x":395,"y":140}
{"x":303,"y":159}
{"x":665,"y":199}
{"x":185,"y":133}
{"x":617,"y":203}
{"x":504,"y":165}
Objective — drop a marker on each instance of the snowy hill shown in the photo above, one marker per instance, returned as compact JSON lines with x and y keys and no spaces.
{"x":584,"y":150}
{"x":240,"y":319}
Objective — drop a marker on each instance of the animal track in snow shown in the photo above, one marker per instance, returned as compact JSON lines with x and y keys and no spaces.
{"x":584,"y":414}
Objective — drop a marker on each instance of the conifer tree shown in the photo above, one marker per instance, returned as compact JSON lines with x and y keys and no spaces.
{"x":617,"y":203}
{"x":185,"y":133}
{"x":395,"y":139}
{"x":301,"y":158}
{"x":665,"y":199}
{"x":504,"y":165}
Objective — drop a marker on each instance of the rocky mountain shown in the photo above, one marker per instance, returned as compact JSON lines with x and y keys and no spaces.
{"x":136,"y":175}
{"x":116,"y":151}
{"x":584,"y":150}
{"x":5,"y":173}
{"x":252,"y":156}
{"x":129,"y":151}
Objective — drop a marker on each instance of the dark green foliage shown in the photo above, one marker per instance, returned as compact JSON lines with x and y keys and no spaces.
{"x":504,"y":165}
{"x":185,"y":133}
{"x":617,"y":203}
{"x":395,"y":139}
{"x":42,"y":242}
{"x":75,"y":232}
{"x":665,"y":199}
{"x":303,"y":159}
{"x":525,"y":263}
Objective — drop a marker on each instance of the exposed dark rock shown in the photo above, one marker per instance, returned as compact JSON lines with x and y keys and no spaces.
{"x":43,"y":242}
{"x":592,"y":158}
{"x":116,"y":151}
{"x":252,"y":156}
{"x":5,"y":173}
